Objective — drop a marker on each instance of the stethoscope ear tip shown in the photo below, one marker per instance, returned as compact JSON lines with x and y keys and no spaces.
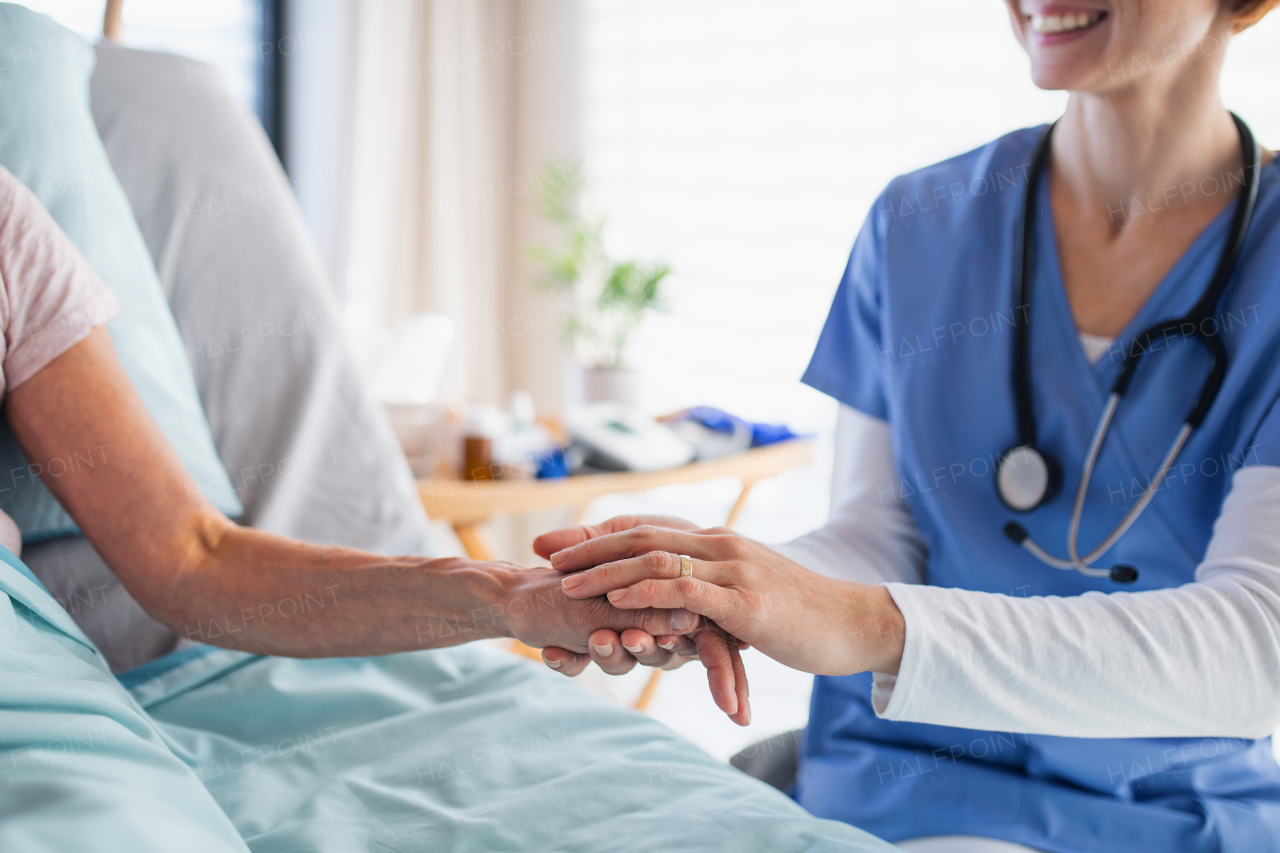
{"x":1016,"y":532}
{"x":1124,"y":574}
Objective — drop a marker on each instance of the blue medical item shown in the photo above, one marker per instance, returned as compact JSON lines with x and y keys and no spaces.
{"x":552,"y":465}
{"x":713,"y":418}
{"x":49,"y":142}
{"x":713,"y":433}
{"x":920,"y":335}
{"x":1026,"y":476}
{"x":734,"y":433}
{"x":722,"y":421}
{"x":763,"y":434}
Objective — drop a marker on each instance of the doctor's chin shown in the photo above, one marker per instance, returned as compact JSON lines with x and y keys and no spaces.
{"x":579,"y":426}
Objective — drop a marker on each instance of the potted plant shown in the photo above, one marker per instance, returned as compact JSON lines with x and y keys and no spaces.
{"x":608,"y":298}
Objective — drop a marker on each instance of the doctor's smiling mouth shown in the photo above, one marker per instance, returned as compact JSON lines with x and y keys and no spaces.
{"x":1060,"y":24}
{"x":1066,"y":41}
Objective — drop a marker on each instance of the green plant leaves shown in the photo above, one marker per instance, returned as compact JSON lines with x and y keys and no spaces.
{"x":609,"y":298}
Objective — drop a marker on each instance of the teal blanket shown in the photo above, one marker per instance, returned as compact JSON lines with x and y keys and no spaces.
{"x":466,"y":749}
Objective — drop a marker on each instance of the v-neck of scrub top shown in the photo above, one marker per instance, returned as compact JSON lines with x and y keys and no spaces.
{"x":1173,"y":288}
{"x":1055,"y":328}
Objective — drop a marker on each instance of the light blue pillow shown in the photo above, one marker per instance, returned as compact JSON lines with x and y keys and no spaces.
{"x":49,"y":142}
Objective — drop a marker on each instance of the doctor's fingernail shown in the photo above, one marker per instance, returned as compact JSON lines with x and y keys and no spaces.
{"x":559,"y":556}
{"x":668,"y":646}
{"x":571,"y":581}
{"x":683,"y":620}
{"x":637,"y":650}
{"x":617,"y":595}
{"x":603,"y":651}
{"x":554,"y":664}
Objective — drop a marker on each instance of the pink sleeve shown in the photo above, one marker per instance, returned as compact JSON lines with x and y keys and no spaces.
{"x":49,"y":296}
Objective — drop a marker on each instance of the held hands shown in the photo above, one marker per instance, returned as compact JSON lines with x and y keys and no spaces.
{"x":536,"y":611}
{"x":618,"y":654}
{"x":799,"y":618}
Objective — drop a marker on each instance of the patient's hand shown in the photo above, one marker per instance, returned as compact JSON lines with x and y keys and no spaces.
{"x":618,"y":654}
{"x":537,"y":612}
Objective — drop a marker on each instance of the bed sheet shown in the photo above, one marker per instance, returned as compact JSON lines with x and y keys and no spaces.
{"x":82,"y":766}
{"x":464,"y":749}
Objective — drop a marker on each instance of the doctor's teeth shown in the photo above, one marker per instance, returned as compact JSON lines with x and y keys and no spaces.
{"x":1062,"y":23}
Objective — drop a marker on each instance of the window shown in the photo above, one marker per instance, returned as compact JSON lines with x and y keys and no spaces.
{"x":234,"y":36}
{"x":745,"y":142}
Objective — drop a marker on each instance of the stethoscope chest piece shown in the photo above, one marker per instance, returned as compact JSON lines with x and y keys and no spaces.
{"x":1027,"y":478}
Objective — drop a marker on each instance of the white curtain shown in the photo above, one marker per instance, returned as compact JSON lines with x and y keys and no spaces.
{"x":427,"y":122}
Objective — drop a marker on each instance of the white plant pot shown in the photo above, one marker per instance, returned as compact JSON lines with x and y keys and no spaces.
{"x":610,"y":384}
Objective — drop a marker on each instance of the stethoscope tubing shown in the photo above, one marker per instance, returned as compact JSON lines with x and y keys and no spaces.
{"x":1195,"y":319}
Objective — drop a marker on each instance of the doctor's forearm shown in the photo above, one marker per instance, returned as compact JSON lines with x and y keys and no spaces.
{"x":1200,"y":660}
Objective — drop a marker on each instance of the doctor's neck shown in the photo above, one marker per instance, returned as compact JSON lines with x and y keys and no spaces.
{"x":1154,"y":126}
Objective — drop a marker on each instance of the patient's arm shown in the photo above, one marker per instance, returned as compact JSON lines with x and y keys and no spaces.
{"x":214,"y":581}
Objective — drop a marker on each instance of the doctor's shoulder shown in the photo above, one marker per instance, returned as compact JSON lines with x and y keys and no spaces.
{"x":959,"y":194}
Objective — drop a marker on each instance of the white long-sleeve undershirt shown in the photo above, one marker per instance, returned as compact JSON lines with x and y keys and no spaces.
{"x":1200,"y":660}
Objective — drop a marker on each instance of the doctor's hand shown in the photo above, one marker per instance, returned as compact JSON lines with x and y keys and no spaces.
{"x":617,"y":654}
{"x":622,"y":652}
{"x":797,"y":617}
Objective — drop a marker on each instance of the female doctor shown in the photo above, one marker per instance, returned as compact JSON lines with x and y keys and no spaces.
{"x":1045,"y":613}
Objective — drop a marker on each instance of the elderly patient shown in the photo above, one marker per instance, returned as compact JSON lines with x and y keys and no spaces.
{"x":63,"y":388}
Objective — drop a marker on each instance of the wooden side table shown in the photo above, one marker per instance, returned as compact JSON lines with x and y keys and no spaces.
{"x":468,"y":505}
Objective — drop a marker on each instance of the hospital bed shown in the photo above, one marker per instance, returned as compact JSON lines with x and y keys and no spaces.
{"x":464,"y":749}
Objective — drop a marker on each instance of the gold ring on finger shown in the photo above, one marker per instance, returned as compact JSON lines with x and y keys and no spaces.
{"x":686,"y":566}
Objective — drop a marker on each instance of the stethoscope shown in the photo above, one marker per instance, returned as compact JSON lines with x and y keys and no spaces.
{"x":1027,"y":476}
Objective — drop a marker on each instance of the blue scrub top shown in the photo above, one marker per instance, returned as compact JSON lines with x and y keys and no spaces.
{"x":920,"y":335}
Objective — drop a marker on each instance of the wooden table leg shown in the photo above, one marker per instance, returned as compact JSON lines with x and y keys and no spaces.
{"x":476,"y":540}
{"x":739,"y":503}
{"x":650,"y":688}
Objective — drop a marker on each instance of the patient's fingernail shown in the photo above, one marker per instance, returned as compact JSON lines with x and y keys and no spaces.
{"x":668,"y":646}
{"x":683,"y":620}
{"x":554,"y":664}
{"x":637,"y":650}
{"x":603,"y":651}
{"x":617,"y":595}
{"x":572,"y":581}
